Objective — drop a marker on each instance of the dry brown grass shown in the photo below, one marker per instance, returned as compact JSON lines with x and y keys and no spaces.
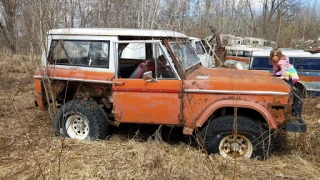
{"x":30,"y":151}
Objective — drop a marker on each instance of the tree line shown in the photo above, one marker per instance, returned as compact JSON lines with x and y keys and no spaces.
{"x":23,"y":23}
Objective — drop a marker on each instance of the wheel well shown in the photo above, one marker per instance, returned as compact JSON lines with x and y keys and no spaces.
{"x":246,"y":112}
{"x":73,"y":90}
{"x":44,"y":97}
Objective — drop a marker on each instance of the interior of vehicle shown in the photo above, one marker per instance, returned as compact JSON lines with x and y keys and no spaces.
{"x":138,"y":58}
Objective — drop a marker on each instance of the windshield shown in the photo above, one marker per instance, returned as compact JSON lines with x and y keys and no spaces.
{"x":199,"y":48}
{"x":185,"y":54}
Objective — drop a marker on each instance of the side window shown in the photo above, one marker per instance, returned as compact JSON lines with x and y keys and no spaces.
{"x":247,"y":53}
{"x":132,"y":59}
{"x":240,"y":53}
{"x":134,"y":51}
{"x":79,"y":53}
{"x":138,"y":58}
{"x":260,"y":63}
{"x":310,"y":64}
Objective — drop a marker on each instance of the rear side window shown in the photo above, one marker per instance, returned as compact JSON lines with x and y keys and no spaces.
{"x":311,"y":64}
{"x":260,"y":63}
{"x":79,"y":53}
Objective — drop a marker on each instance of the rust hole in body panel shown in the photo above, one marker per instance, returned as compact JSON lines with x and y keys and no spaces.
{"x":277,"y":111}
{"x":277,"y":107}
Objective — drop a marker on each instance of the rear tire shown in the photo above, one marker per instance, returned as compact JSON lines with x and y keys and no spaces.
{"x":81,"y":119}
{"x":251,"y":140}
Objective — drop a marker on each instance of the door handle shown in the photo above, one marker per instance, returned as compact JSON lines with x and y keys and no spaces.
{"x":119,"y":83}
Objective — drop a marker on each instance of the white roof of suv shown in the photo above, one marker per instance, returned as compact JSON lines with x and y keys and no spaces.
{"x":243,"y":48}
{"x":193,"y":38}
{"x":286,"y":52}
{"x":116,"y":32}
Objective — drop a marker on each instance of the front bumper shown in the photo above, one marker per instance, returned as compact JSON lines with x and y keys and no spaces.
{"x":296,"y":124}
{"x":297,"y":105}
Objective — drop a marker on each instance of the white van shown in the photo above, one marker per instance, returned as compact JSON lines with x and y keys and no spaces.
{"x":205,"y":58}
{"x":307,"y":65}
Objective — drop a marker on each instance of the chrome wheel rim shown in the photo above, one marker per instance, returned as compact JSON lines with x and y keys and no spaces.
{"x":77,"y":127}
{"x":236,"y":146}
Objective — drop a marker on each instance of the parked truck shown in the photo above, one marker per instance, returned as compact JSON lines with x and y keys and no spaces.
{"x":205,"y":58}
{"x":94,"y":83}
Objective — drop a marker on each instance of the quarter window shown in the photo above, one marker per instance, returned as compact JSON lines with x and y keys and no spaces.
{"x":79,"y":53}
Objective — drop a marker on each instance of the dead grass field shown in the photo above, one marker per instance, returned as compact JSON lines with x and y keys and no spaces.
{"x":29,"y":150}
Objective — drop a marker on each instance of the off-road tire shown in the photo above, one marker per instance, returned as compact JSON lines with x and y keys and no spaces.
{"x":215,"y":131}
{"x":279,"y":141}
{"x":87,"y":110}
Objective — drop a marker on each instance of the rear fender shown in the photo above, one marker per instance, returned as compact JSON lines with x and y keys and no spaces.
{"x":40,"y":96}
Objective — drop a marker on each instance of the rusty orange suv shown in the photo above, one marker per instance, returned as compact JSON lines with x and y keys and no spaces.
{"x":103,"y":77}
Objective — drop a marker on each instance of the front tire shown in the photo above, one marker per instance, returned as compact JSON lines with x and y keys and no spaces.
{"x":250,"y":141}
{"x":81,"y":119}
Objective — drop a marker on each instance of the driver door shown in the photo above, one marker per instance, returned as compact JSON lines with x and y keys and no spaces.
{"x":154,"y":100}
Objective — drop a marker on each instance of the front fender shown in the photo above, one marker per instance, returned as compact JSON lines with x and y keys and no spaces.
{"x":241,"y":104}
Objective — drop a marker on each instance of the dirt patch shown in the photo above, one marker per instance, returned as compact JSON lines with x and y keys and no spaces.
{"x":29,"y":149}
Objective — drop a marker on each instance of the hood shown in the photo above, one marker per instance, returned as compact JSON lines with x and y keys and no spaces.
{"x":234,"y":80}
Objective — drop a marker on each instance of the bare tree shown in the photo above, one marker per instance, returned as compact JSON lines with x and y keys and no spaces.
{"x":8,"y":27}
{"x":23,"y":23}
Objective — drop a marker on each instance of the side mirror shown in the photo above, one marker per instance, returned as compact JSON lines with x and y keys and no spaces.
{"x":147,"y":76}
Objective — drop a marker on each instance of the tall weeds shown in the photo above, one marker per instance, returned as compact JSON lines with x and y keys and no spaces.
{"x":26,"y":133}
